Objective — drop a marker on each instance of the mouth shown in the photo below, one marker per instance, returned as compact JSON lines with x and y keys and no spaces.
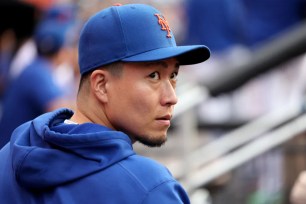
{"x":165,"y":117}
{"x":164,"y":120}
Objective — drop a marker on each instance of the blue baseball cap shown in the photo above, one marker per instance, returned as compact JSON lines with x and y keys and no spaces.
{"x":132,"y":33}
{"x":55,"y":28}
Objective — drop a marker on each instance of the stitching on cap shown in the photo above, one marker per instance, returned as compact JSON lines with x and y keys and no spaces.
{"x":120,"y":22}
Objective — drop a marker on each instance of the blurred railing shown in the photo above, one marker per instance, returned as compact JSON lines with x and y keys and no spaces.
{"x":236,"y":138}
{"x":266,"y":57}
{"x":207,"y":172}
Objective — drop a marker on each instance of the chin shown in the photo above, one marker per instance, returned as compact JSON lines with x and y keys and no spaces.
{"x":152,"y":142}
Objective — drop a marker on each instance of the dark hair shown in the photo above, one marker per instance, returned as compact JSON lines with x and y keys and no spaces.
{"x":114,"y":68}
{"x":20,"y":17}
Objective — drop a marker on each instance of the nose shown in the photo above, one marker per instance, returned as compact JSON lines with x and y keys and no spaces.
{"x":169,"y":97}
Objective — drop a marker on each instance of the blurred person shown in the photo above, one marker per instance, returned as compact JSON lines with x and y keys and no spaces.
{"x":220,"y":25}
{"x":129,"y":63}
{"x":234,"y":31}
{"x":266,"y":19}
{"x":34,"y":90}
{"x":14,"y":34}
{"x":67,"y":76}
{"x":252,"y":23}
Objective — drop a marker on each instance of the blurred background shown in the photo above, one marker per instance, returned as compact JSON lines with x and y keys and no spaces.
{"x":239,"y":130}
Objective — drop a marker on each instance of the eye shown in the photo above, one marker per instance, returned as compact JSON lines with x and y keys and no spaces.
{"x":174,"y":76}
{"x":154,"y":75}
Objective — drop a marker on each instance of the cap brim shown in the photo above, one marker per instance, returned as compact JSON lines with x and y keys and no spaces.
{"x":186,"y":55}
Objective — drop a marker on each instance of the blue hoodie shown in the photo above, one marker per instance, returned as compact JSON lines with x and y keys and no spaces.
{"x":48,"y":161}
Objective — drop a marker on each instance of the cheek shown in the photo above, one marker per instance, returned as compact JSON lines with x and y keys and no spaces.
{"x":141,"y":100}
{"x":133,"y":101}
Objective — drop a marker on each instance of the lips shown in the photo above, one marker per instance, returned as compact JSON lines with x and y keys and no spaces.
{"x":166,"y":117}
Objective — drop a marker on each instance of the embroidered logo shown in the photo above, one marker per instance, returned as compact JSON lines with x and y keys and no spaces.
{"x":164,"y":24}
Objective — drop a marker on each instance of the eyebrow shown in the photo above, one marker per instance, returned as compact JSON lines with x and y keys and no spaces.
{"x":163,"y":64}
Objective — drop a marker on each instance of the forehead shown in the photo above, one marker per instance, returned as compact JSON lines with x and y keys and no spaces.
{"x":167,"y":63}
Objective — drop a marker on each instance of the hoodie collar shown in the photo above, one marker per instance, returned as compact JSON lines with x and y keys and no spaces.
{"x":47,"y":152}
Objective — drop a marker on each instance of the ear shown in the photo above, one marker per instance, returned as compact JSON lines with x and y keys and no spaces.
{"x":98,"y":82}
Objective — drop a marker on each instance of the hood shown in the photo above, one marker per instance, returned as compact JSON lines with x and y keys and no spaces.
{"x":47,"y":153}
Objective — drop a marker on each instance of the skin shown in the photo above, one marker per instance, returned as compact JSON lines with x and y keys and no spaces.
{"x":298,"y":195}
{"x":139,"y":101}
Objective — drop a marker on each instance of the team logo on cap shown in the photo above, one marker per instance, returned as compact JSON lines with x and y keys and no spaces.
{"x":164,"y":24}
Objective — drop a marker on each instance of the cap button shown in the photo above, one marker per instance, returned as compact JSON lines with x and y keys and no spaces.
{"x":117,"y":4}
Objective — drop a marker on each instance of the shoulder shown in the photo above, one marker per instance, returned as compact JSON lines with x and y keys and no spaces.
{"x":155,"y":179}
{"x":142,"y":166}
{"x":38,"y":68}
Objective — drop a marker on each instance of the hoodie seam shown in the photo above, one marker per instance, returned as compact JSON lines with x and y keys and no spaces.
{"x":156,"y":186}
{"x":133,"y":177}
{"x":122,"y":32}
{"x":146,"y":190}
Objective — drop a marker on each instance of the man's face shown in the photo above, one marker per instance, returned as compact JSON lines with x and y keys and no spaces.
{"x":141,"y":100}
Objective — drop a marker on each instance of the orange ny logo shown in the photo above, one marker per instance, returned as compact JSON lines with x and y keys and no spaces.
{"x":164,"y":24}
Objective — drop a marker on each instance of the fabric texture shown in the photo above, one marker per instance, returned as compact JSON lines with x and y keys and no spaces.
{"x":54,"y":162}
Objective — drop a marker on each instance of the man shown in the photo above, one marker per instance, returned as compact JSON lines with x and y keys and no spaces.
{"x":129,"y":63}
{"x":34,"y":91}
{"x":14,"y":34}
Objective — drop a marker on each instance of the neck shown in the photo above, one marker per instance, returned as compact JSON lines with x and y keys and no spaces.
{"x":79,"y":117}
{"x":90,"y":112}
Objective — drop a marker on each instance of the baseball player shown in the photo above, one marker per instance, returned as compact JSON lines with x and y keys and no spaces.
{"x":129,"y":63}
